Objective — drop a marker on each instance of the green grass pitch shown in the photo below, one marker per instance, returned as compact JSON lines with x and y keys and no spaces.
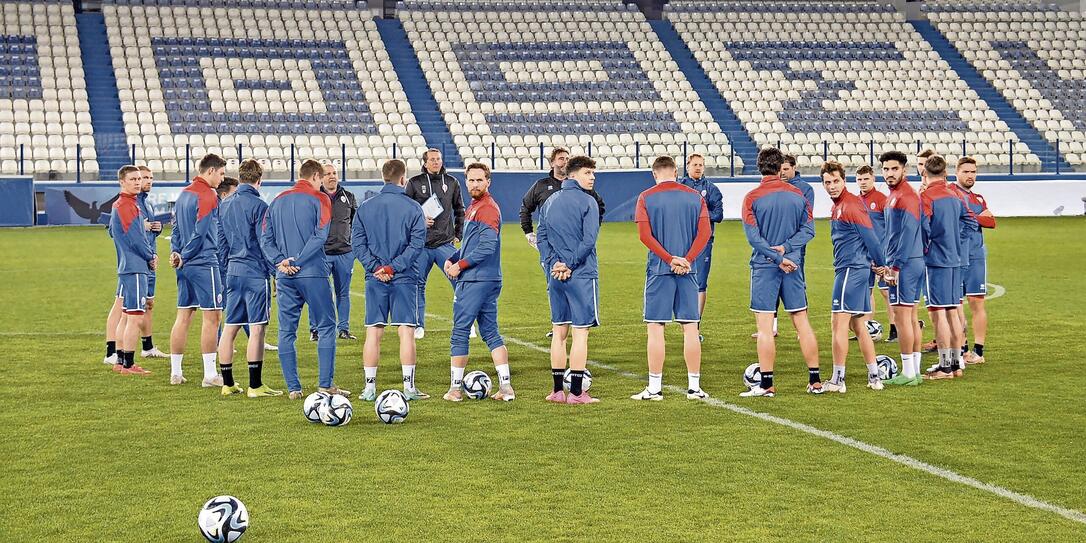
{"x":93,"y":456}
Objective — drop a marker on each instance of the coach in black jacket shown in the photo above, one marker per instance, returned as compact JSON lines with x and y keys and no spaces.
{"x":544,"y":188}
{"x":443,"y":230}
{"x":338,"y":250}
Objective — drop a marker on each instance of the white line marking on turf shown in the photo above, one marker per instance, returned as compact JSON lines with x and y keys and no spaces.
{"x":907,"y":461}
{"x":997,"y":291}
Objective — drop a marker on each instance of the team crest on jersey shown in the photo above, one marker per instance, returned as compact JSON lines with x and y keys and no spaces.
{"x":892,"y":200}
{"x":343,"y":198}
{"x":839,"y":211}
{"x":872,"y":205}
{"x":704,"y":193}
{"x":472,"y":216}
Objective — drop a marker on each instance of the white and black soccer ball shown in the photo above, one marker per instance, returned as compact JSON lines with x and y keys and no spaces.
{"x":223,"y":519}
{"x":391,"y":407}
{"x":887,"y":367}
{"x":337,"y":411}
{"x":752,"y":376}
{"x":586,"y":381}
{"x":874,"y":329}
{"x":477,"y":385}
{"x":312,"y":405}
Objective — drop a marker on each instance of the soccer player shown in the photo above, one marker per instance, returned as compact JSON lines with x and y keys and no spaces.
{"x":944,"y":217}
{"x":976,"y":274}
{"x":778,"y":223}
{"x":195,"y":255}
{"x":544,"y":188}
{"x":714,"y":202}
{"x":338,"y":250}
{"x":153,"y":229}
{"x":855,"y":248}
{"x":789,"y":174}
{"x":905,"y":256}
{"x":443,"y":230}
{"x":921,"y":158}
{"x":388,"y":235}
{"x":875,"y":203}
{"x":569,"y":224}
{"x":477,"y":271}
{"x":293,"y":234}
{"x":673,"y":222}
{"x":135,"y":261}
{"x":248,"y":285}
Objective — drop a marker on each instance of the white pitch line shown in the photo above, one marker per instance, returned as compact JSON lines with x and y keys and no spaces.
{"x":907,"y":461}
{"x":997,"y":291}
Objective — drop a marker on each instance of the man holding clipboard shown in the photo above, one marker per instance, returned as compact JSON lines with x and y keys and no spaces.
{"x":443,"y":205}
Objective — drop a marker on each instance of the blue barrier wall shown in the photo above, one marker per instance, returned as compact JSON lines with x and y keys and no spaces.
{"x":83,"y":203}
{"x":17,"y":202}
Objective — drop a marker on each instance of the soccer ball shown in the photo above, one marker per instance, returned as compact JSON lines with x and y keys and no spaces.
{"x":874,"y":329}
{"x":312,"y":405}
{"x":223,"y":519}
{"x":887,"y":367}
{"x":586,"y":382}
{"x":477,"y":385}
{"x":337,"y":411}
{"x":391,"y":407}
{"x":752,"y":376}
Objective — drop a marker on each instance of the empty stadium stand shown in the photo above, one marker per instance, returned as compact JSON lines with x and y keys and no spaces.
{"x":800,"y":74}
{"x":1034,"y":54}
{"x":518,"y":74}
{"x":44,"y":113}
{"x":310,"y":75}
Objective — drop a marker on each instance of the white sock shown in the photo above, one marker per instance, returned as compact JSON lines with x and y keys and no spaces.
{"x":774,"y":325}
{"x":656,"y":382}
{"x":907,"y":366}
{"x":211,"y":369}
{"x":872,"y":371}
{"x":838,"y":374}
{"x":175,"y":364}
{"x":960,"y":358}
{"x":371,"y":377}
{"x":408,"y":376}
{"x":917,"y":361}
{"x":503,"y":375}
{"x":693,"y":381}
{"x":457,"y":380}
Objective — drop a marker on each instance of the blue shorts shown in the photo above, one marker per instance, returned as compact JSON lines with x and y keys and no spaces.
{"x":199,"y":286}
{"x":575,"y":301}
{"x":671,"y":297}
{"x":702,"y":264}
{"x":944,"y":286}
{"x":151,"y":284}
{"x":392,"y":304}
{"x":248,"y":300}
{"x":132,"y":289}
{"x":770,"y":285}
{"x":910,"y":278}
{"x":852,"y":291}
{"x":976,"y":278}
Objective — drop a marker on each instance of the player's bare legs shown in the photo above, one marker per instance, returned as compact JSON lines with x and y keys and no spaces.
{"x":692,"y":356}
{"x":980,"y":329}
{"x":113,"y":320}
{"x":578,"y":361}
{"x":767,"y":356}
{"x":808,"y":345}
{"x":371,"y":354}
{"x":559,"y":333}
{"x":944,"y":339}
{"x":408,"y":357}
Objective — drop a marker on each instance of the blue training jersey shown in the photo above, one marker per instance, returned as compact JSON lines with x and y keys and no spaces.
{"x":569,"y":224}
{"x":148,"y":214}
{"x":196,"y":222}
{"x":945,"y":226}
{"x":677,"y":216}
{"x":855,"y":243}
{"x":129,"y":239}
{"x":480,"y":254}
{"x":714,"y":200}
{"x":776,"y":214}
{"x":903,"y":225}
{"x":296,"y":226}
{"x":240,"y":218}
{"x":389,"y":232}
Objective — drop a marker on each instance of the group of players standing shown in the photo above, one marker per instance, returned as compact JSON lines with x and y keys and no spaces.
{"x":316,"y":229}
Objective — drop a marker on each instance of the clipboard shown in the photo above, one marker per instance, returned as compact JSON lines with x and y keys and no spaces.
{"x":432,"y":207}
